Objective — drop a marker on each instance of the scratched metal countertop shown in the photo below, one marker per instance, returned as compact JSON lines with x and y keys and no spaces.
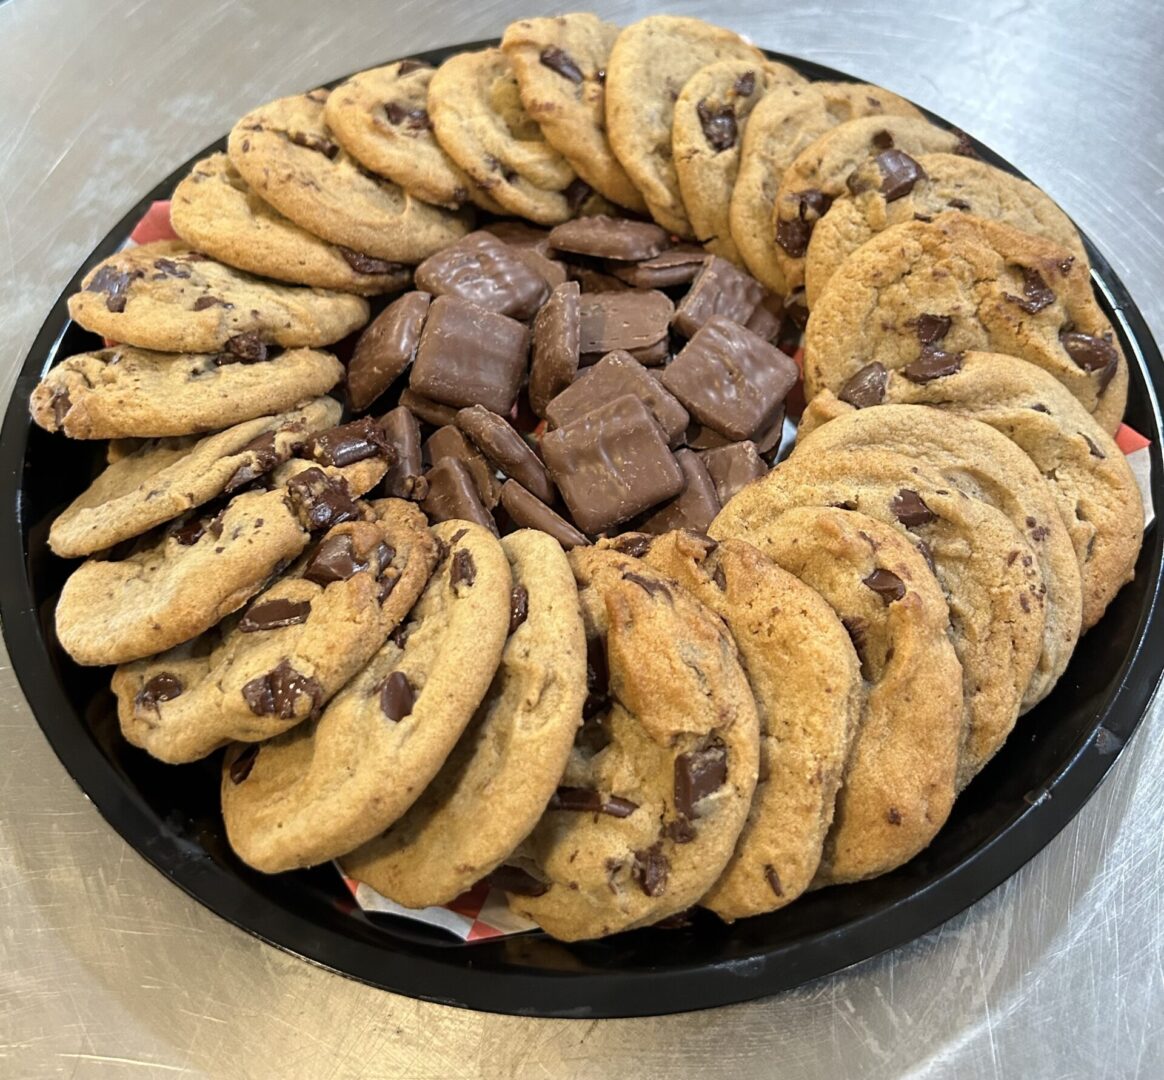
{"x":106,"y":970}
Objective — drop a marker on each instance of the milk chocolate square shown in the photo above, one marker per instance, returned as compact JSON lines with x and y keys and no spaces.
{"x":483,"y":270}
{"x":610,"y":238}
{"x":631,"y":319}
{"x":730,"y":379}
{"x":450,"y":442}
{"x":733,"y":467}
{"x":694,"y":507}
{"x":386,"y":348}
{"x":719,"y":289}
{"x":611,"y":464}
{"x":453,"y":496}
{"x":470,"y":356}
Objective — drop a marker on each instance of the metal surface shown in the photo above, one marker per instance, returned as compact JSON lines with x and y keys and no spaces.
{"x":106,"y":970}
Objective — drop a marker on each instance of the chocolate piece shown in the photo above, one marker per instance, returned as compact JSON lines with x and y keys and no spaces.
{"x":266,"y":457}
{"x":114,"y":284}
{"x":591,"y":280}
{"x":1092,"y":354}
{"x":313,"y":142}
{"x":650,"y":870}
{"x":616,"y":374}
{"x":676,"y":266}
{"x":562,"y":62}
{"x":520,"y":234}
{"x":793,"y":234}
{"x":1036,"y":295}
{"x":733,"y":467}
{"x":518,"y":606}
{"x":730,"y":379}
{"x":932,"y":364}
{"x":773,"y":880}
{"x":431,"y":412}
{"x":189,"y":531}
{"x":796,"y":309}
{"x":768,"y":319}
{"x":277,"y":693}
{"x":885,"y":584}
{"x":550,"y":270}
{"x":204,"y":302}
{"x":698,"y":774}
{"x":241,"y":767}
{"x":719,"y":289}
{"x":529,"y":512}
{"x":470,"y":356}
{"x":556,"y":346}
{"x":882,"y":140}
{"x":506,"y":450}
{"x":899,"y":173}
{"x":414,"y":118}
{"x":745,"y":85}
{"x":452,"y":494}
{"x":462,"y":570}
{"x":632,"y":319}
{"x":274,"y":614}
{"x":385,"y":348}
{"x":513,"y":879}
{"x":587,"y":800}
{"x":931,"y":328}
{"x":349,"y":443}
{"x":649,"y":585}
{"x":612,"y":464}
{"x":603,"y":237}
{"x":334,"y":560}
{"x":1092,"y":449}
{"x":649,"y":355}
{"x":164,"y":686}
{"x":450,"y":442}
{"x":321,"y":501}
{"x":405,"y":479}
{"x":247,"y":348}
{"x":481,"y":269}
{"x":719,"y":125}
{"x":910,"y":509}
{"x":694,"y":507}
{"x":396,"y":697}
{"x":865,"y":387}
{"x":369,"y":264}
{"x":767,"y":442}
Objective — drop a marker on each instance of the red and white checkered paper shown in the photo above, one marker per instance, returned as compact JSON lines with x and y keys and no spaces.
{"x":482,"y":913}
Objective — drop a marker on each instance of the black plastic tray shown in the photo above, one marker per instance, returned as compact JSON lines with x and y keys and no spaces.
{"x":1049,"y":767}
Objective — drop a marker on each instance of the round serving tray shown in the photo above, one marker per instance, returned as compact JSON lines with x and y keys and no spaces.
{"x":1052,"y":763}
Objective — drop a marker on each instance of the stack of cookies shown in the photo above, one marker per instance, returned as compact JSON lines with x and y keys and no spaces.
{"x":517,"y":591}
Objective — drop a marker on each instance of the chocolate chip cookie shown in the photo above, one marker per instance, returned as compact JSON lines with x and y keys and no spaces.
{"x":287,"y":154}
{"x":324,"y":788}
{"x":495,"y":784}
{"x":215,"y":212}
{"x":560,"y":64}
{"x":660,"y":780}
{"x":899,"y":779}
{"x":167,"y":297}
{"x":921,"y":292}
{"x":650,"y":63}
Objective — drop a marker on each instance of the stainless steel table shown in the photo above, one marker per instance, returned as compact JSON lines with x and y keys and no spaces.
{"x":106,"y":970}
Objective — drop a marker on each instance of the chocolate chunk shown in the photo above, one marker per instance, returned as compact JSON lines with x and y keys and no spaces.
{"x":61,"y":406}
{"x":196,"y":526}
{"x":412,"y":117}
{"x":274,"y":614}
{"x":719,"y":289}
{"x":452,"y":495}
{"x":114,"y":284}
{"x":932,"y":364}
{"x":587,"y":800}
{"x":278,"y":692}
{"x":431,"y":412}
{"x":615,"y":375}
{"x":885,"y":584}
{"x":529,"y":512}
{"x":793,"y":234}
{"x":965,"y":147}
{"x":205,"y":302}
{"x":958,"y":204}
{"x":618,"y":239}
{"x":482,"y":270}
{"x":396,"y":697}
{"x":612,"y":464}
{"x":556,"y":346}
{"x":334,"y":560}
{"x":562,"y":62}
{"x":680,"y":831}
{"x":676,"y":266}
{"x":730,"y":379}
{"x":733,"y":467}
{"x":368,"y":264}
{"x":866,"y":387}
{"x":404,"y":479}
{"x":520,"y":234}
{"x":631,"y":319}
{"x":649,"y":585}
{"x":910,"y":509}
{"x":745,"y":85}
{"x":576,"y":192}
{"x":927,"y":553}
{"x":241,"y":767}
{"x":450,"y":442}
{"x":169,"y":268}
{"x":1036,"y":295}
{"x":931,"y":328}
{"x":349,"y":443}
{"x":321,"y":501}
{"x":164,"y":686}
{"x":899,"y":173}
{"x":470,"y":356}
{"x":698,"y":774}
{"x":597,"y":681}
{"x":773,"y":880}
{"x":313,"y":142}
{"x":719,"y":125}
{"x":1094,"y":450}
{"x":1092,"y":354}
{"x":636,"y":545}
{"x":694,"y":507}
{"x":767,"y":320}
{"x":264,"y":456}
{"x":506,"y":450}
{"x":650,"y":870}
{"x":518,"y":606}
{"x":248,"y":348}
{"x":591,"y":280}
{"x":515,"y":880}
{"x":462,"y":569}
{"x":648,"y":355}
{"x":385,"y":348}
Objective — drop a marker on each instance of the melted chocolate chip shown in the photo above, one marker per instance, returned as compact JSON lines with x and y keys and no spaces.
{"x":885,"y":584}
{"x":513,"y":879}
{"x":204,"y":302}
{"x":274,"y":614}
{"x":277,"y":693}
{"x":562,"y":62}
{"x":169,"y":268}
{"x":652,"y":588}
{"x":321,"y":501}
{"x":1094,"y":450}
{"x":1036,"y":295}
{"x":1092,"y":354}
{"x":349,"y":443}
{"x":927,"y":553}
{"x":719,"y":125}
{"x":114,"y":283}
{"x":266,"y":457}
{"x":698,"y":774}
{"x":866,"y":387}
{"x":964,"y":147}
{"x":719,"y":577}
{"x":931,"y":328}
{"x":910,"y":509}
{"x":597,"y":679}
{"x":958,"y":204}
{"x":61,"y":406}
{"x":576,"y":193}
{"x":650,"y":870}
{"x":313,"y":142}
{"x":932,"y":364}
{"x":164,"y":686}
{"x":899,"y":174}
{"x":773,"y":880}
{"x":745,"y":85}
{"x":893,"y":816}
{"x":246,"y":348}
{"x":415,"y":118}
{"x":241,"y":767}
{"x":396,"y":697}
{"x":334,"y":560}
{"x":587,"y":800}
{"x":1038,"y":406}
{"x":464,"y":570}
{"x":882,"y":140}
{"x":680,"y":831}
{"x":518,"y":606}
{"x":367,"y":264}
{"x":793,"y":234}
{"x":634,"y":544}
{"x":192,"y":530}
